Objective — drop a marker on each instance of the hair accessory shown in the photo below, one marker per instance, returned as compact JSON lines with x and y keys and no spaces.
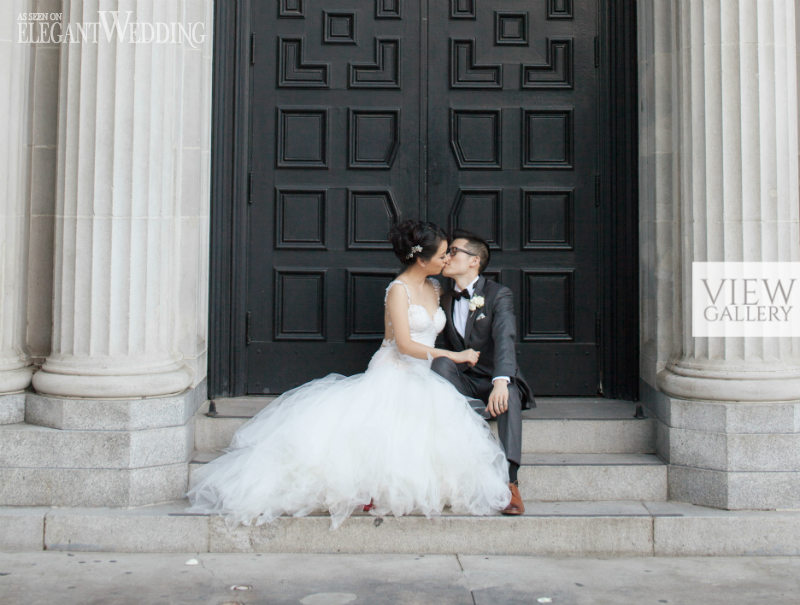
{"x":414,"y":249}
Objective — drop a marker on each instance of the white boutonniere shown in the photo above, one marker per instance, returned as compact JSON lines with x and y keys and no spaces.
{"x":476,"y":302}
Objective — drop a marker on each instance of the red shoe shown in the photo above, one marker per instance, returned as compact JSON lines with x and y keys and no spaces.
{"x":369,"y":507}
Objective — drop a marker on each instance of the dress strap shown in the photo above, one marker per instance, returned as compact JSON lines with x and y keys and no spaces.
{"x":437,"y":288}
{"x":392,"y":283}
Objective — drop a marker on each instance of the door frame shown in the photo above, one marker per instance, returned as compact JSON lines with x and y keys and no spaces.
{"x":230,"y":166}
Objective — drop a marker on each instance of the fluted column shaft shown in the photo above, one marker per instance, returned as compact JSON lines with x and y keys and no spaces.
{"x":738,"y":182}
{"x":15,"y":62}
{"x":115,"y":259}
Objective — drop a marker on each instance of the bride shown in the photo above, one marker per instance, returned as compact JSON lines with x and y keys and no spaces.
{"x":398,"y":435}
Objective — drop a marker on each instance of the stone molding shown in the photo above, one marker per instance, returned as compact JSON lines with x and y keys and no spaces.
{"x":707,"y":382}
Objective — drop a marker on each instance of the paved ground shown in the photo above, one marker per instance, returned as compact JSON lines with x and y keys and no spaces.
{"x":111,"y":579}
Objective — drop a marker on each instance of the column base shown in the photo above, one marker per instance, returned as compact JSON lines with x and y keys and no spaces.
{"x":12,"y":408}
{"x":147,"y":384}
{"x":16,"y":380}
{"x":12,"y":396}
{"x":734,"y":455}
{"x":708,"y":381}
{"x":82,"y":452}
{"x":734,"y":490}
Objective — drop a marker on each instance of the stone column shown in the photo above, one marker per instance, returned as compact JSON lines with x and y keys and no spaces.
{"x":733,"y":411}
{"x":15,"y":66}
{"x":115,"y":283}
{"x":115,"y":399}
{"x":659,"y":216}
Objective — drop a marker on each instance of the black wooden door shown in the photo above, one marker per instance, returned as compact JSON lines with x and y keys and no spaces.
{"x":476,"y":115}
{"x":513,"y":156}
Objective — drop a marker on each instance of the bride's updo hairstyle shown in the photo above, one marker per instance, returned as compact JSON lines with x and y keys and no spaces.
{"x":415,"y":239}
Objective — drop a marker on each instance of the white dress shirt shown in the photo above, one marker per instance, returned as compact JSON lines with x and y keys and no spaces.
{"x":461,"y":308}
{"x":461,"y":312}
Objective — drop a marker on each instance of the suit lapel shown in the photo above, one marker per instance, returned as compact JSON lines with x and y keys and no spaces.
{"x":478,"y":291}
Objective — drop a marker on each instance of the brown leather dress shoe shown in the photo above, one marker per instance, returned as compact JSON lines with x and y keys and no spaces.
{"x":515,"y":507}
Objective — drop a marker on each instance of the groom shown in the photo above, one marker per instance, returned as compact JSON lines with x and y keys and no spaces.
{"x":480,"y":316}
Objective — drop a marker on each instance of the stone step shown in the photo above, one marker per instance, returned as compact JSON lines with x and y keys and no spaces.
{"x":25,"y":486}
{"x":573,"y":477}
{"x":556,"y":425}
{"x":31,"y":446}
{"x":608,"y":529}
{"x":46,"y":466}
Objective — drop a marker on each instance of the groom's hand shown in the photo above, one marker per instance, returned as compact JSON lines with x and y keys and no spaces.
{"x":498,"y":398}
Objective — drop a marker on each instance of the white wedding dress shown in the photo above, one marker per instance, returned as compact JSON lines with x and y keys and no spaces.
{"x":398,"y":434}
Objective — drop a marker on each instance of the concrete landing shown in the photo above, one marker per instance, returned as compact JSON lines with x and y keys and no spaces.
{"x":608,"y":529}
{"x":132,"y":579}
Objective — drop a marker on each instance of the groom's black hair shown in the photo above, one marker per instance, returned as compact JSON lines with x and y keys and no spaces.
{"x":476,"y":245}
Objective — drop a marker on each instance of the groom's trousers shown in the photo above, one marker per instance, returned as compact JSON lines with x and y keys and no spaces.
{"x":475,"y":387}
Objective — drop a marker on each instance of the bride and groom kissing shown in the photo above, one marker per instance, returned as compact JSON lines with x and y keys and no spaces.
{"x":403,"y":436}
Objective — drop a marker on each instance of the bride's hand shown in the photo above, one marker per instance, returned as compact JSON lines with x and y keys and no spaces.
{"x":468,"y":356}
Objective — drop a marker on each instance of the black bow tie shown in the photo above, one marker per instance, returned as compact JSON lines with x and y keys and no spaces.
{"x":459,"y":295}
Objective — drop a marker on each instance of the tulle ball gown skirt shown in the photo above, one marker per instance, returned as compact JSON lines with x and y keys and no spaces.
{"x":397,"y":434}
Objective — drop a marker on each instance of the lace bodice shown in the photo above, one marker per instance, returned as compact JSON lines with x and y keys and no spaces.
{"x":423,"y":327}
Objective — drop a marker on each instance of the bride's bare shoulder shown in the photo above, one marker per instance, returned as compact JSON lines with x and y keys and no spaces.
{"x":397,"y":290}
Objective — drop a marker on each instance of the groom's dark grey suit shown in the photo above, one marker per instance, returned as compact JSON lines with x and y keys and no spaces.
{"x":491,"y":330}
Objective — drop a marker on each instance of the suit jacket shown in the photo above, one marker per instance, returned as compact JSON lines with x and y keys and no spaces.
{"x":490,"y":329}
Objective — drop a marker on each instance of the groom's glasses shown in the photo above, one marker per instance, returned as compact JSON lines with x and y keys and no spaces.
{"x":452,"y":251}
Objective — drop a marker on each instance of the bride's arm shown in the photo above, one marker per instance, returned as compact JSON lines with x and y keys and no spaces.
{"x":397,"y":307}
